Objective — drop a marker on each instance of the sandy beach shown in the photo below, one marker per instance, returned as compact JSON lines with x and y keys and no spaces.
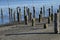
{"x":28,"y":32}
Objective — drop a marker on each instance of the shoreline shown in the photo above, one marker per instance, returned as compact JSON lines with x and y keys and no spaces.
{"x":16,"y":23}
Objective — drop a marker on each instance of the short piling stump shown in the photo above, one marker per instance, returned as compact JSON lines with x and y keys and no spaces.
{"x":40,"y":19}
{"x":26,"y":20}
{"x":45,"y":25}
{"x":33,"y":22}
{"x":49,"y":20}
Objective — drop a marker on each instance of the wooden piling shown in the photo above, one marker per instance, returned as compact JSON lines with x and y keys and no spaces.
{"x":40,"y":16}
{"x":33,"y":21}
{"x":28,"y":13}
{"x":49,"y":20}
{"x":59,"y":8}
{"x":45,"y":25}
{"x":56,"y":23}
{"x":51,"y":13}
{"x":14,"y":16}
{"x":49,"y":17}
{"x":18,"y":14}
{"x":2,"y":15}
{"x":51,"y":9}
{"x":33,"y":12}
{"x":9,"y":15}
{"x":52,"y":17}
{"x":26,"y":19}
{"x":30,"y":18}
{"x":44,"y":10}
{"x":24,"y":11}
{"x":41,"y":11}
{"x":40,"y":19}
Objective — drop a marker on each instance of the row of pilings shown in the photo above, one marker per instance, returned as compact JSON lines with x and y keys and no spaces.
{"x":31,"y":17}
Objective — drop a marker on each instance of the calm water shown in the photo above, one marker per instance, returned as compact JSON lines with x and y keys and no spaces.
{"x":6,"y":18}
{"x":21,"y":3}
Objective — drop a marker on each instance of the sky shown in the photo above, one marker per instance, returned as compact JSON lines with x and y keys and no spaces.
{"x":15,"y":3}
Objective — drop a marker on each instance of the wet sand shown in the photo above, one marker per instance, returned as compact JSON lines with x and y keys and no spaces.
{"x":28,"y":32}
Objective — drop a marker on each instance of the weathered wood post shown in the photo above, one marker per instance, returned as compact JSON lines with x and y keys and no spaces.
{"x":25,"y":16}
{"x":9,"y":15}
{"x":51,"y":13}
{"x":14,"y":16}
{"x":33,"y":12}
{"x":33,"y":21}
{"x":30,"y":16}
{"x":56,"y":23}
{"x":49,"y":18}
{"x":18,"y":14}
{"x":26,"y":19}
{"x":45,"y":25}
{"x":24,"y":13}
{"x":40,"y":16}
{"x":44,"y":10}
{"x":2,"y":15}
{"x":59,"y":8}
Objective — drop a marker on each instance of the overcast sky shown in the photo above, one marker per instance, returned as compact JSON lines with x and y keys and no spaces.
{"x":14,"y":3}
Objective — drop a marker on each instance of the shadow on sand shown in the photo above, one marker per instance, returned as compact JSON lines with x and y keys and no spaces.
{"x":29,"y":33}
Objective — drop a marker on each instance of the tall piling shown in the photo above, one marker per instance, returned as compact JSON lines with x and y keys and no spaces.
{"x":49,"y":10}
{"x":14,"y":16}
{"x":56,"y":23}
{"x":33,"y":18}
{"x":28,"y":13}
{"x":25,"y":16}
{"x":9,"y":15}
{"x":49,"y":17}
{"x":59,"y":8}
{"x":18,"y":14}
{"x":33,"y":12}
{"x":11,"y":10}
{"x":44,"y":11}
{"x":24,"y":11}
{"x":51,"y":13}
{"x":40,"y":16}
{"x":2,"y":15}
{"x":30,"y":18}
